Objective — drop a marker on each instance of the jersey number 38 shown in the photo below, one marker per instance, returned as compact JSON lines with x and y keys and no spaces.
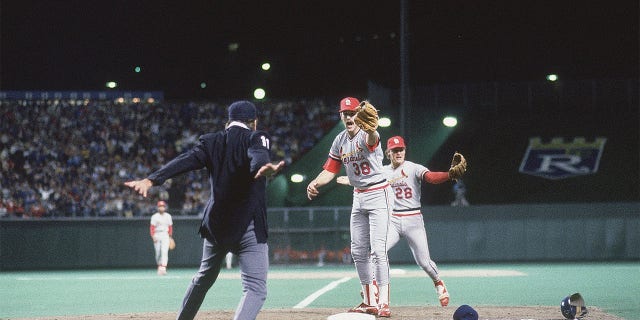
{"x":362,"y":168}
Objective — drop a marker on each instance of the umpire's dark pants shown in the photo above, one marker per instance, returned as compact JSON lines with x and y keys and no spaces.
{"x":253,"y":259}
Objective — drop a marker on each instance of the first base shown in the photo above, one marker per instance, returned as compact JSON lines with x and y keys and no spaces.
{"x":351,"y":316}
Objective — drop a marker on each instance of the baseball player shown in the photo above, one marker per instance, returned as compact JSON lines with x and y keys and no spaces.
{"x":161,"y":230}
{"x":235,"y":217}
{"x":359,"y":151}
{"x":407,"y":222}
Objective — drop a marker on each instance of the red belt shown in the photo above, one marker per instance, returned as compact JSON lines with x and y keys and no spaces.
{"x":406,"y":214}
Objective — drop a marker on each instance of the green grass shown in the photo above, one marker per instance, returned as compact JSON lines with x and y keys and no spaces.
{"x":613,"y":287}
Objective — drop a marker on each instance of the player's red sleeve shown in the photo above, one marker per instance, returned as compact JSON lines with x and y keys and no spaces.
{"x":152,"y":229}
{"x":373,"y":147}
{"x":435,"y":177}
{"x":332,"y":165}
{"x":170,"y":230}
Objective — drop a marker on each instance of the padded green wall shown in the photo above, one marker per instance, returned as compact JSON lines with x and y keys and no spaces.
{"x":485,"y":233}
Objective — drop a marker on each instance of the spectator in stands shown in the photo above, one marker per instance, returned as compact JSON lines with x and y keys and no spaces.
{"x":460,"y":191}
{"x":71,"y":154}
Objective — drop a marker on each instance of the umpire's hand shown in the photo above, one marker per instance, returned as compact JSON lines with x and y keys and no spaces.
{"x":269,"y":169}
{"x":140,"y":186}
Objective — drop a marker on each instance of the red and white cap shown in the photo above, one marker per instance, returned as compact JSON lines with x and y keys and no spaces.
{"x":395,"y":142}
{"x":349,"y":104}
{"x":162,"y":203}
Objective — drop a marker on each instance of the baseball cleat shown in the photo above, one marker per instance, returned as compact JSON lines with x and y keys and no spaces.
{"x":162,"y":270}
{"x":364,"y":308}
{"x":383,"y":311}
{"x":443,"y":294}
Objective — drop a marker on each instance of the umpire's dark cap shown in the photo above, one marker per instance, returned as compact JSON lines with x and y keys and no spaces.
{"x":465,"y":312}
{"x":242,"y":111}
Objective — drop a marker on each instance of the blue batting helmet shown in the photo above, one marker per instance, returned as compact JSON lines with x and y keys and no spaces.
{"x":573,"y":307}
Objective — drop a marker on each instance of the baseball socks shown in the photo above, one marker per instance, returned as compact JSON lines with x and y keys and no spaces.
{"x":162,"y":270}
{"x":441,"y":291}
{"x":383,"y":301}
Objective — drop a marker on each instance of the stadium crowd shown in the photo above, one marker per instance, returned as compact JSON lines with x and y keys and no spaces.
{"x":69,"y":158}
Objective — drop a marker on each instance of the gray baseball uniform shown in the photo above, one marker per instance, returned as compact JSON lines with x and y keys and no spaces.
{"x":407,"y":220}
{"x":372,"y":204}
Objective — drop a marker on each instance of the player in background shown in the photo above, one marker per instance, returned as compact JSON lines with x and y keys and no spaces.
{"x":228,"y":260}
{"x":361,"y":155}
{"x":235,"y":217}
{"x":407,"y":221}
{"x":161,"y":229}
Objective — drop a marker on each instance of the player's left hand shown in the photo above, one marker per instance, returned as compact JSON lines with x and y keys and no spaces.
{"x":140,"y":186}
{"x":458,"y":166}
{"x":367,"y":117}
{"x":269,"y":169}
{"x":343,"y":180}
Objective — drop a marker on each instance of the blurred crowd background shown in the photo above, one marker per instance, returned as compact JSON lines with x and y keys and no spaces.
{"x":70,"y":158}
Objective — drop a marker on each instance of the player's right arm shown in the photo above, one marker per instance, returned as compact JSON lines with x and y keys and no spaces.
{"x":331,"y":169}
{"x":323,"y":178}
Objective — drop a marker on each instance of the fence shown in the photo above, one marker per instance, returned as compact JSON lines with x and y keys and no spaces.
{"x":485,"y":233}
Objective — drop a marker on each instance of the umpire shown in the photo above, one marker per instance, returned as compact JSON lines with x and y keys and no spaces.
{"x":234,"y":219}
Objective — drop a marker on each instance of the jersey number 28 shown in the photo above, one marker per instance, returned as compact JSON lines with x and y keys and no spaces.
{"x":406,"y":193}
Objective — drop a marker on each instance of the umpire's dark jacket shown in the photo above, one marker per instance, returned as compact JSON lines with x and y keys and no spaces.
{"x":232,"y":157}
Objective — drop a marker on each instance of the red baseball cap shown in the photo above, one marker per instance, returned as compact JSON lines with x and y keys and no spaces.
{"x":395,"y":142}
{"x":162,"y":203}
{"x":349,"y":104}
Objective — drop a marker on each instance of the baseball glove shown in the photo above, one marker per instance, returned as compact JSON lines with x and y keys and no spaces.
{"x":172,"y":243}
{"x":367,"y":117}
{"x":458,"y":166}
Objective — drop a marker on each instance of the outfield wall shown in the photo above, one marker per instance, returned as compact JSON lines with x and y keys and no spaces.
{"x":484,"y":233}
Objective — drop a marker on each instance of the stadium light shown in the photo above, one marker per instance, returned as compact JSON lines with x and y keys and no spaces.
{"x":111,"y":84}
{"x":450,"y":121}
{"x":259,"y":93}
{"x":266,"y":66}
{"x":552,"y":77}
{"x":233,"y":46}
{"x":297,"y":178}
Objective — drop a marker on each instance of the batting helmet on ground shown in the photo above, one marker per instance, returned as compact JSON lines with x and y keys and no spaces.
{"x":573,"y":307}
{"x":465,"y":312}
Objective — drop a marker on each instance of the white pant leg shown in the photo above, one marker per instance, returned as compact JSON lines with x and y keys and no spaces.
{"x":369,"y":228}
{"x":161,"y":246}
{"x":416,"y":236}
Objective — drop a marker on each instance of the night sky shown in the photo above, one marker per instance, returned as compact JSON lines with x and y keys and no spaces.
{"x":316,"y":48}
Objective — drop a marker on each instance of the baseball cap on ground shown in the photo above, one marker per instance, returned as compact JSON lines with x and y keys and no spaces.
{"x":465,"y":312}
{"x":162,"y":203}
{"x":395,"y":142}
{"x":349,"y":104}
{"x":242,"y":111}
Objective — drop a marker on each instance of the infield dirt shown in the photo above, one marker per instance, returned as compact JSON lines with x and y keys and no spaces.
{"x":399,"y":313}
